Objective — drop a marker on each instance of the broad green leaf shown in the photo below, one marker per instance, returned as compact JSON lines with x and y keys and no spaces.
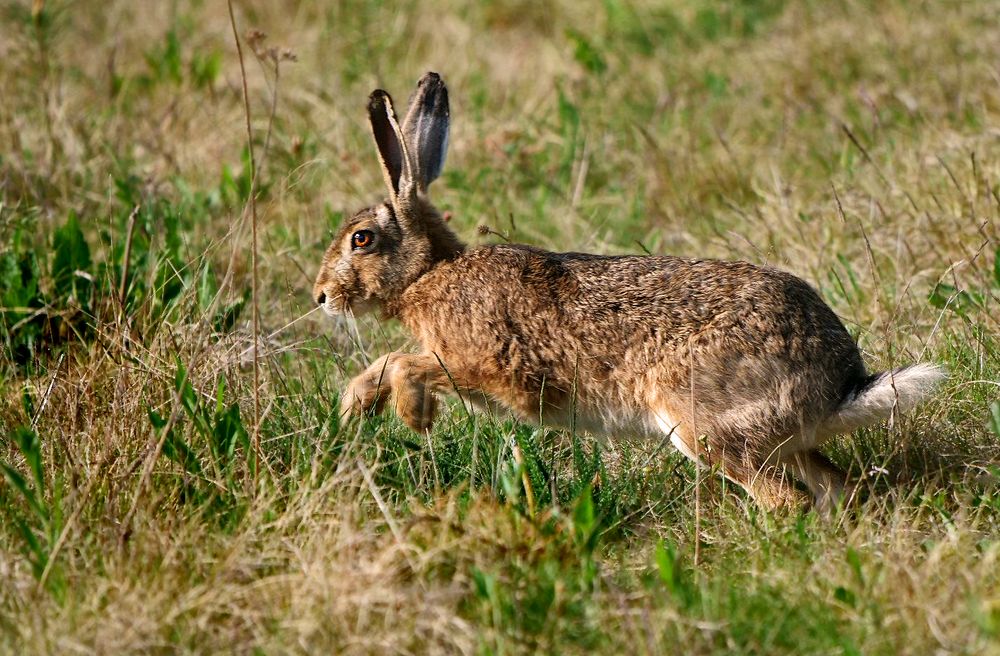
{"x":845,"y":596}
{"x":176,"y":449}
{"x":485,"y":584}
{"x":71,"y":254}
{"x":21,"y":485}
{"x":31,"y":448}
{"x":996,"y":267}
{"x":586,"y":53}
{"x":666,"y":565}
{"x":994,"y":421}
{"x":854,"y":560}
{"x":584,"y":515}
{"x":959,"y":301}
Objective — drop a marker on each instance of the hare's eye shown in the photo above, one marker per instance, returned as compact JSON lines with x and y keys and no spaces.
{"x":362,"y":238}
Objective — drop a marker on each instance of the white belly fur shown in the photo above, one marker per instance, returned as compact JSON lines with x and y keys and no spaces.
{"x":671,"y":427}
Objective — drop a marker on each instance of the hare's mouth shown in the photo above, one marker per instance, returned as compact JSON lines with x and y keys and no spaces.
{"x":334,"y":307}
{"x":339,"y":306}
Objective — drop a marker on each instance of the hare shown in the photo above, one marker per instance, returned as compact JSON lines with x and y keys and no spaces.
{"x":740,"y":366}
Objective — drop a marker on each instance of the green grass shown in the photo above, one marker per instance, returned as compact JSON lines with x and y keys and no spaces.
{"x":850,"y":142}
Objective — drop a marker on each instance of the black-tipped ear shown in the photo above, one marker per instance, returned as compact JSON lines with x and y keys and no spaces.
{"x":392,"y":150}
{"x":426,"y":128}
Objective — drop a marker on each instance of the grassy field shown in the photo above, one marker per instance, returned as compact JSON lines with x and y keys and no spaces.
{"x":855,"y":143}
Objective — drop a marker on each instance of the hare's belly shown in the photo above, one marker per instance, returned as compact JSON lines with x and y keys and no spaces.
{"x":656,"y":424}
{"x":626,"y":423}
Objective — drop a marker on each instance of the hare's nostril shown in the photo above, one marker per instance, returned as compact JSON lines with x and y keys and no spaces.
{"x":321,"y":299}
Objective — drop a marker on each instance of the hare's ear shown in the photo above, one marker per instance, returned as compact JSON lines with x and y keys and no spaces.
{"x":392,"y":151}
{"x":426,"y":128}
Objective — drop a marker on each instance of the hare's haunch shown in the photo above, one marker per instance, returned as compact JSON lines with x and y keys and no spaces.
{"x":742,"y":366}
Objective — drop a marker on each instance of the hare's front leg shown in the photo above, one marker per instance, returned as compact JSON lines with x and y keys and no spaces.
{"x":411,"y":380}
{"x":369,"y":390}
{"x":415,"y":379}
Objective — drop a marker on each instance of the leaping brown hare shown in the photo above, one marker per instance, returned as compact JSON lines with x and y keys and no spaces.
{"x":743,"y":367}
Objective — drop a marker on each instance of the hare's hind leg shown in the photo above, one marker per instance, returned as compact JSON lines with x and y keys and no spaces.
{"x":768,"y":484}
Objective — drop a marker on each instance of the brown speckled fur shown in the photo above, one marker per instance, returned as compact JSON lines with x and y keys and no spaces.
{"x":739,"y":364}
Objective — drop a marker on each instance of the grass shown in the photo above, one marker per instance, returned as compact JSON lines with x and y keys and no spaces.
{"x":850,"y":142}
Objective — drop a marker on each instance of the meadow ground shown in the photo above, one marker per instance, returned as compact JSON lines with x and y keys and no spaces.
{"x":855,"y":143}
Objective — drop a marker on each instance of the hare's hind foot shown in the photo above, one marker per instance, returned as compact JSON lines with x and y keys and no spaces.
{"x":411,"y":381}
{"x":770,"y":485}
{"x":828,"y":484}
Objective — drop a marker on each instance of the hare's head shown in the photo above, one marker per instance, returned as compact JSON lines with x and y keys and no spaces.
{"x":381,"y":250}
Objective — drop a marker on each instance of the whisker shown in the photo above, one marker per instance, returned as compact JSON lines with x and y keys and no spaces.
{"x":293,"y":322}
{"x":352,"y":323}
{"x":249,"y":350}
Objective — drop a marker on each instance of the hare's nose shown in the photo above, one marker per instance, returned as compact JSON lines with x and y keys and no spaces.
{"x":321,"y":299}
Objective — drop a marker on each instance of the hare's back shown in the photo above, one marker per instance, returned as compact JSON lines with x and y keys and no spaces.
{"x":577,"y":316}
{"x":662,"y":293}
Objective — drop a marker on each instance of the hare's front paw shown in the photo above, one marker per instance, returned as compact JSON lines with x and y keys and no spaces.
{"x":411,"y":380}
{"x":416,"y":406}
{"x":368,"y":392}
{"x":414,"y":378}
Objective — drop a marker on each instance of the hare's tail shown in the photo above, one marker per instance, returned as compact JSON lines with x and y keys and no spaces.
{"x":878,"y":396}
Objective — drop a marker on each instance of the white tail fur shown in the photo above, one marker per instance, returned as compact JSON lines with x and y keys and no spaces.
{"x":890,"y":392}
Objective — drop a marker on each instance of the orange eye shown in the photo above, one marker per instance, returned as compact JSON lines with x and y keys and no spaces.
{"x":362,"y":238}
